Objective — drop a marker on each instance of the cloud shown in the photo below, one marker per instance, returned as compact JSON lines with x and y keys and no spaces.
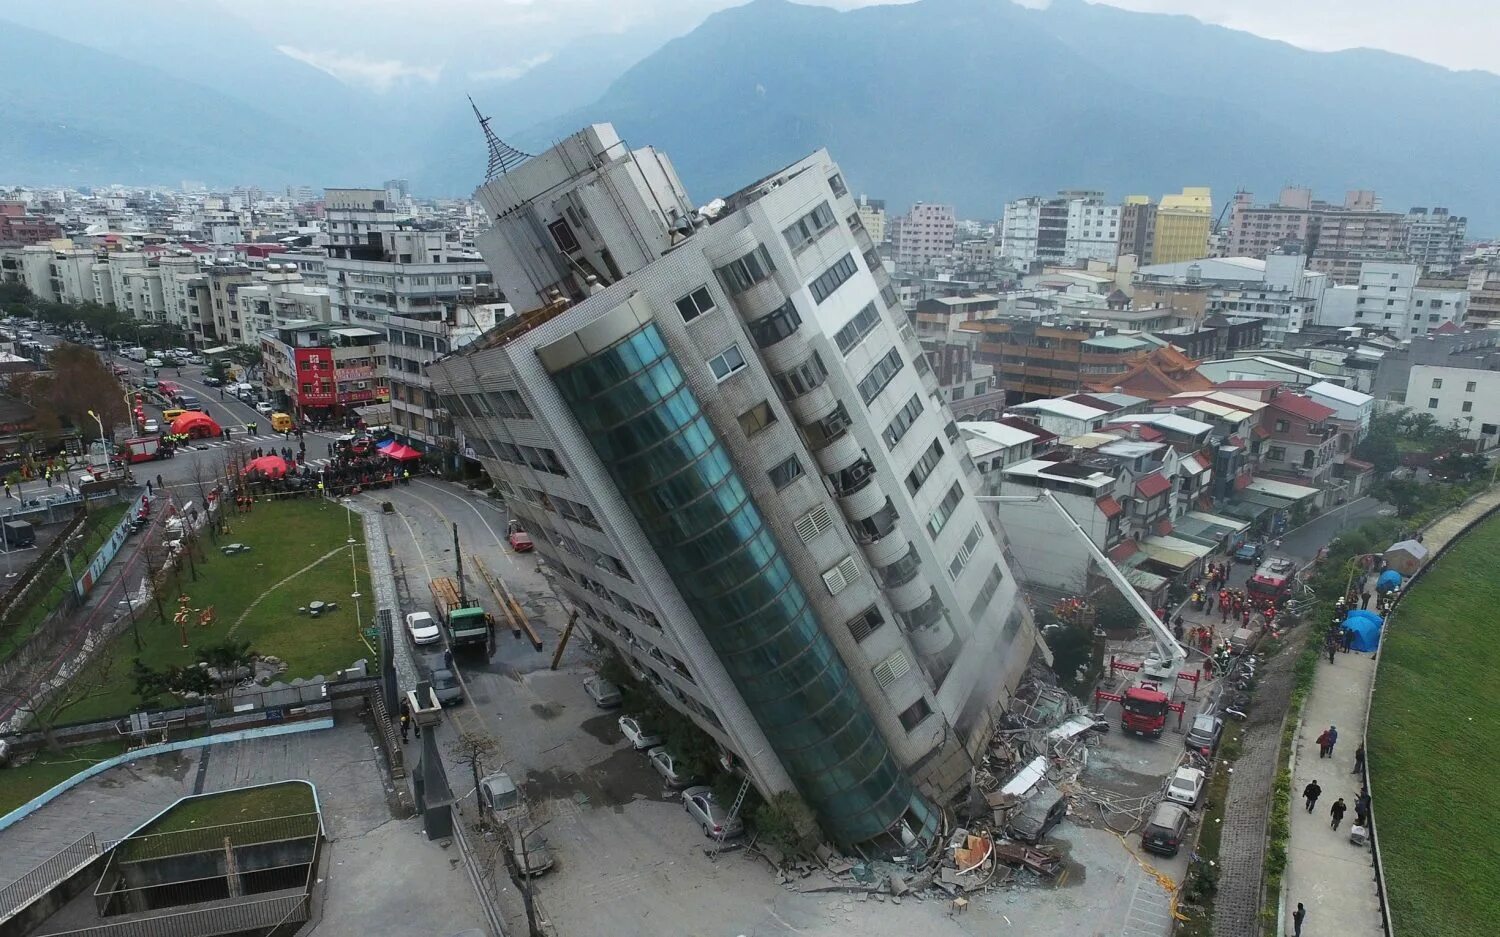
{"x":511,"y":70}
{"x":354,"y":69}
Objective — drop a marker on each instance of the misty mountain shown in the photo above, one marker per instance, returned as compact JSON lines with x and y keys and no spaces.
{"x":80,"y":116}
{"x":975,"y":102}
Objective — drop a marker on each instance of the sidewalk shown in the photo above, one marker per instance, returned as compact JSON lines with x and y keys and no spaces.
{"x":1333,"y":878}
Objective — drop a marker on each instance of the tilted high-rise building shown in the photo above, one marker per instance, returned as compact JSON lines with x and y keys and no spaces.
{"x":724,"y":438}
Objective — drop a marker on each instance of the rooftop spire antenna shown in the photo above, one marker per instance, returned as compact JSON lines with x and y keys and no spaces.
{"x":503,"y":156}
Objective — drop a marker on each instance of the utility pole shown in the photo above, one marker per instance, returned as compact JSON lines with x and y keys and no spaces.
{"x":458,"y":559}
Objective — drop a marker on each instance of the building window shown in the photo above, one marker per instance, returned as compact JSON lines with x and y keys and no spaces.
{"x":770,"y":329}
{"x":966,"y":550}
{"x":562,"y":236}
{"x":757,"y":418}
{"x":832,"y":278}
{"x":880,"y":375}
{"x":941,"y":514}
{"x":1470,"y":387}
{"x":785,"y":472}
{"x":749,"y":270}
{"x":986,"y":593}
{"x":806,"y":229}
{"x":854,"y":331}
{"x":695,"y":304}
{"x":1276,"y":454}
{"x":1432,"y":403}
{"x":796,"y":381}
{"x":903,"y":421}
{"x":1468,"y":406}
{"x":1437,"y":383}
{"x":929,"y":461}
{"x":1282,"y":426}
{"x":726,"y":362}
{"x":912,"y":716}
{"x":863,"y":625}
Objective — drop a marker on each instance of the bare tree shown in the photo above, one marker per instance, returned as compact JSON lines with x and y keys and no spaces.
{"x":474,"y":750}
{"x":45,"y":697}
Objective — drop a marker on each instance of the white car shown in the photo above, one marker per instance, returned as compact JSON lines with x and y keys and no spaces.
{"x":637,"y":735}
{"x":151,"y":427}
{"x":153,"y":362}
{"x":1186,"y":786}
{"x":195,"y":359}
{"x":423,"y":629}
{"x":264,"y":407}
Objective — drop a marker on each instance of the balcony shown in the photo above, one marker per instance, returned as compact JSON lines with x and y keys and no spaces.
{"x":875,"y":527}
{"x":852,"y":479}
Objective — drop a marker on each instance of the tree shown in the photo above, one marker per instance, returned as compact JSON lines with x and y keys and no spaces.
{"x":474,"y":750}
{"x":45,"y":696}
{"x":1420,"y":424}
{"x":150,"y":684}
{"x":228,"y":658}
{"x":784,"y":822}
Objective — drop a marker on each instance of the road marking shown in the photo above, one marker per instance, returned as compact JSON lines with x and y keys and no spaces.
{"x":499,"y":544}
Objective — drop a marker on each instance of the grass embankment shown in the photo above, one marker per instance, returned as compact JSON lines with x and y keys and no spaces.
{"x":52,"y":584}
{"x":1434,"y":746}
{"x":48,"y":769}
{"x":237,"y":806}
{"x":285,"y":539}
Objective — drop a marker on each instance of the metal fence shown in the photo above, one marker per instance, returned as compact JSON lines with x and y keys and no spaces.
{"x":19,"y":893}
{"x":211,"y":838}
{"x":264,"y":913}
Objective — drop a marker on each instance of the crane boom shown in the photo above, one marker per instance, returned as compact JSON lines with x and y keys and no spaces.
{"x":1170,"y":655}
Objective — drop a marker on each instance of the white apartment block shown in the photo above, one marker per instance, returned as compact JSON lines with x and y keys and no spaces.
{"x":1466,"y":397}
{"x":872,"y":216}
{"x":1069,"y":230}
{"x":1435,"y":239}
{"x":734,"y":457}
{"x":279,"y":298}
{"x":1387,"y":297}
{"x":925,"y":235}
{"x":414,"y":343}
{"x":417,"y":274}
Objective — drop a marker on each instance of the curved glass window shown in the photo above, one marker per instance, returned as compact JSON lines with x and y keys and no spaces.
{"x":877,"y":525}
{"x":772,"y":328}
{"x":925,"y":615}
{"x":900,"y":572}
{"x":673,"y":472}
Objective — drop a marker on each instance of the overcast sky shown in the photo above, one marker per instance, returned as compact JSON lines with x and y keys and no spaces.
{"x":380,"y":42}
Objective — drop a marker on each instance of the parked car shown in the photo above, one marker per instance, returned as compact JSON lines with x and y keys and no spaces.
{"x":1250,"y":552}
{"x":604,"y":694}
{"x":1205,"y":733}
{"x":264,"y":407}
{"x":445,"y":686}
{"x":530,"y":847}
{"x":1043,"y":810}
{"x":194,"y":359}
{"x":669,"y":767}
{"x":154,"y":362}
{"x":209,"y":381}
{"x":715,"y":820}
{"x":423,"y":628}
{"x":637,"y":735}
{"x":1186,"y":786}
{"x":151,"y":427}
{"x":1167,"y":829}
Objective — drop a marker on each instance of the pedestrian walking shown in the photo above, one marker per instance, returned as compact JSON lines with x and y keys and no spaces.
{"x":1310,"y":793}
{"x":405,"y":726}
{"x":448,"y":658}
{"x":1331,"y":647}
{"x":1323,"y":744}
{"x":1362,"y":809}
{"x":1333,"y":739}
{"x":1348,"y":641}
{"x":1298,"y":916}
{"x":1359,"y":760}
{"x":1337,"y":812}
{"x":1364,"y":600}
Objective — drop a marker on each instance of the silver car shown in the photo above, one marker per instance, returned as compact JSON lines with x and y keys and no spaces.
{"x":604,"y":694}
{"x":669,"y":767}
{"x":636,"y":734}
{"x":715,"y":820}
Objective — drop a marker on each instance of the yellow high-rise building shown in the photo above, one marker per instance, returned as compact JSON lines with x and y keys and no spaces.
{"x":1183,"y":223}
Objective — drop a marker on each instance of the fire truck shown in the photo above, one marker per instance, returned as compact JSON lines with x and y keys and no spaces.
{"x":1273,"y":580}
{"x":1144,"y":709}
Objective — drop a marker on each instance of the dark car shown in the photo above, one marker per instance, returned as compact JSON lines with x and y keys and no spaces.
{"x":1204,"y":736}
{"x":1166,"y":830}
{"x":1250,"y":552}
{"x":1043,"y":810}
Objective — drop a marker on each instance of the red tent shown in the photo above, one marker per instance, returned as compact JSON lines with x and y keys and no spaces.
{"x":272,"y":466}
{"x":401,"y":453}
{"x":196,"y":424}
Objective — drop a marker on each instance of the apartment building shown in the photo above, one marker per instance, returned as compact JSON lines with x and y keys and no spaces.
{"x":924,"y":235}
{"x":412,"y":344}
{"x":1075,"y":227}
{"x":280,"y":297}
{"x":729,"y":447}
{"x":1435,"y":239}
{"x":1183,"y":222}
{"x":1336,"y":238}
{"x":1388,"y":297}
{"x":1278,"y":290}
{"x":872,"y":216}
{"x":1038,"y":359}
{"x":319,"y":372}
{"x":411,"y":273}
{"x":1138,"y":229}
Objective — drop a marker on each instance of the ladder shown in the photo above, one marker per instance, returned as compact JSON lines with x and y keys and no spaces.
{"x":734,"y":811}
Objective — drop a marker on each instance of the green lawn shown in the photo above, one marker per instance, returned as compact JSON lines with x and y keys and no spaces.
{"x":53,"y":582}
{"x":284,"y":537}
{"x":1435,"y":747}
{"x":251,"y":803}
{"x":49,"y":769}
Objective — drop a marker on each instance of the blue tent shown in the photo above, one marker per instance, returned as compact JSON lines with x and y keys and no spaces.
{"x":1366,"y":627}
{"x":1389,"y":581}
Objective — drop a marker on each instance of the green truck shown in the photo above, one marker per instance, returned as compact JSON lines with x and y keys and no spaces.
{"x":465,"y":621}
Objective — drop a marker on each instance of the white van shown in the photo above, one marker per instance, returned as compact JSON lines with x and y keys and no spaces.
{"x":136,"y":354}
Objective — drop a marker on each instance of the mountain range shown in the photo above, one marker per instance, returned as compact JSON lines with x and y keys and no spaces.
{"x":970,"y":102}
